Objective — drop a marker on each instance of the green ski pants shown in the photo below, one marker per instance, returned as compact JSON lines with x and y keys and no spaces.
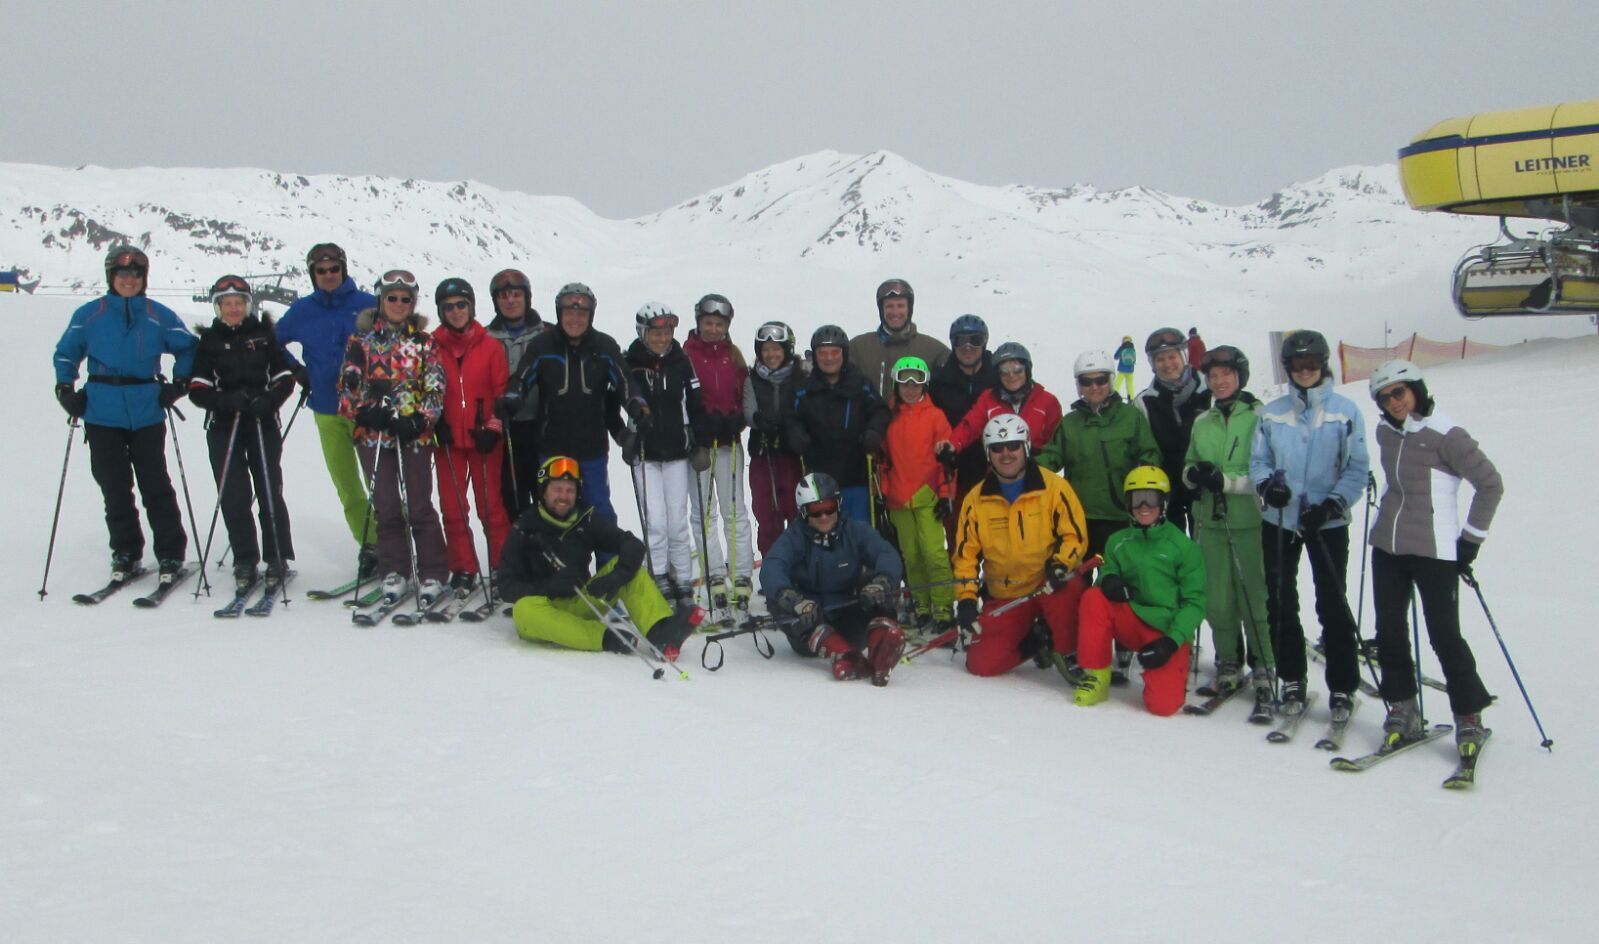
{"x":567,"y":621}
{"x":1235,"y":594}
{"x":921,"y":543}
{"x":337,"y":435}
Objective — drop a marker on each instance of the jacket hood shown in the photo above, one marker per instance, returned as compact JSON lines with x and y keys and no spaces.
{"x":532,"y":320}
{"x":640,"y":355}
{"x":336,"y":297}
{"x":1081,"y":406}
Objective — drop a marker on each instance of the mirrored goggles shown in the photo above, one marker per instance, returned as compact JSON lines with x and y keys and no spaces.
{"x":821,"y":509}
{"x":563,"y":468}
{"x":773,"y":332}
{"x":714,"y":306}
{"x":1145,"y":497}
{"x":230,"y":285}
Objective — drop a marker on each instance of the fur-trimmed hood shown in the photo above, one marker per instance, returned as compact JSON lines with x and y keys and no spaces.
{"x":367,"y":318}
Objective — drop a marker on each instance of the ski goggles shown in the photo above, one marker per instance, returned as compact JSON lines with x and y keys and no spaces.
{"x":1169,"y":340}
{"x":574,"y":302}
{"x":561,"y":467}
{"x":325,"y":252}
{"x":773,"y":332}
{"x":1012,"y":369}
{"x":661,"y":321}
{"x":910,"y":375}
{"x":714,"y":306}
{"x":821,"y":509}
{"x":968,"y":340}
{"x":229,"y":285}
{"x":398,"y":278}
{"x":1145,"y":497}
{"x":1093,"y":380}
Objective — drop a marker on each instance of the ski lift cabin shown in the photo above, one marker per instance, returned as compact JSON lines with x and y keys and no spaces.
{"x":1536,"y":163}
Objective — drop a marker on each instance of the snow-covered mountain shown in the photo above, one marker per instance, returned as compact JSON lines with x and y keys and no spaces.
{"x":805,"y":240}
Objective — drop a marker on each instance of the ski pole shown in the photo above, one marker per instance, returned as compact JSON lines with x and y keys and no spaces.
{"x":405,"y":516}
{"x":55,"y":520}
{"x":952,"y":634}
{"x":1415,"y":630}
{"x":754,"y":628}
{"x":184,"y":478}
{"x":1365,"y":548}
{"x":222,"y":486}
{"x":269,"y":500}
{"x":371,"y":501}
{"x":641,"y":493}
{"x":516,"y":487}
{"x":703,"y":490}
{"x":1471,"y":581}
{"x":481,"y":481}
{"x":628,"y":636}
{"x":305,"y":392}
{"x":736,"y":486}
{"x":1277,"y":633}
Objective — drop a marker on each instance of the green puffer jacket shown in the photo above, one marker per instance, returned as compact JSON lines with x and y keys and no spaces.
{"x":1095,"y":451}
{"x":1167,"y":573}
{"x":1221,"y":437}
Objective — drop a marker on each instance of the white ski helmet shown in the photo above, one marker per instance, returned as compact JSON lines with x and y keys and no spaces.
{"x":654,"y":315}
{"x":1392,"y":372}
{"x":818,"y":486}
{"x":1093,"y":362}
{"x":1008,"y":427}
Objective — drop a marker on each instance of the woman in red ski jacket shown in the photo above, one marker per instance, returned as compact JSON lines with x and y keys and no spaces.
{"x":1015,"y":391}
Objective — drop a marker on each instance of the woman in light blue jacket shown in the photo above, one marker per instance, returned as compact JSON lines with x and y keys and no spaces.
{"x":1309,"y":465}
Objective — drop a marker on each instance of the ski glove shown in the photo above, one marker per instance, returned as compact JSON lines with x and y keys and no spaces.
{"x":408,"y":429}
{"x":1465,"y":554}
{"x":262,"y":406}
{"x":700,"y":459}
{"x":172,"y":392}
{"x":374,"y":417}
{"x":1057,"y":575}
{"x":942,"y":509}
{"x":871,"y":441}
{"x":485,"y":439}
{"x":947,"y":458}
{"x":636,"y":407}
{"x":799,"y":441}
{"x":1275,"y":492}
{"x":233,"y":401}
{"x":75,"y":402}
{"x":804,"y":608}
{"x":609,"y":584}
{"x":1157,"y":653}
{"x":1205,"y":475}
{"x":507,"y":406}
{"x":442,"y":433}
{"x":966,"y":614}
{"x":563,"y":583}
{"x":1317,"y":515}
{"x":769,"y":423}
{"x":1116,"y":589}
{"x":875,"y":591}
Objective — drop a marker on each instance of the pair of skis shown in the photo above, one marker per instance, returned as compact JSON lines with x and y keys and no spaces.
{"x":1463,"y":777}
{"x":240,"y":604}
{"x":149,"y":601}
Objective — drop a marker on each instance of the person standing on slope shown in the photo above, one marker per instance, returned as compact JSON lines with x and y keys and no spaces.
{"x":1171,"y":402}
{"x":835,"y":578}
{"x":956,"y":386}
{"x":1014,"y":391}
{"x":1227,"y":525}
{"x":1126,"y":362}
{"x":576,"y":386}
{"x":546,"y":567}
{"x":1308,"y":462}
{"x":874,"y":352}
{"x":768,"y":397}
{"x":837,"y":421}
{"x":321,"y":323}
{"x":1425,"y":456}
{"x":1025,"y":527}
{"x":660,"y":456}
{"x":1196,"y":349}
{"x":469,"y":434}
{"x":123,"y":335}
{"x":242,"y":378}
{"x":916,"y":491}
{"x":722,"y":373}
{"x":392,"y":390}
{"x":515,"y":325}
{"x":1150,"y":599}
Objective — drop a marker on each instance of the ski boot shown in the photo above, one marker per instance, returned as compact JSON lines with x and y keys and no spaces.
{"x":1036,"y":644}
{"x":1404,"y":723}
{"x":1066,"y":664}
{"x":885,"y":643}
{"x":1341,"y":705}
{"x":1291,"y":699}
{"x":395,"y":585}
{"x":429,"y":590}
{"x":718,"y":592}
{"x":669,"y":632}
{"x":123,"y":563}
{"x":463,"y":582}
{"x":244,"y":577}
{"x":686,"y":599}
{"x":275,"y":573}
{"x":366,"y":563}
{"x":1093,"y":689}
{"x":1265,"y":701}
{"x":847,"y":664}
{"x":1123,"y":663}
{"x":169,"y":568}
{"x":742,"y":591}
{"x":1469,"y":734}
{"x":1229,"y":675}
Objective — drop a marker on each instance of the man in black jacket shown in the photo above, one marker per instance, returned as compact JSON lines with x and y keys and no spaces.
{"x":546,"y":562}
{"x":956,"y":386}
{"x":838,"y":420}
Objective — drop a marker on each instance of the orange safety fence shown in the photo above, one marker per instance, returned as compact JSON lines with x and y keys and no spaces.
{"x":1357,"y":363}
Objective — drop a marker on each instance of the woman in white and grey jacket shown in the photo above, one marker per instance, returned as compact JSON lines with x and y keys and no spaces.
{"x":1420,"y":542}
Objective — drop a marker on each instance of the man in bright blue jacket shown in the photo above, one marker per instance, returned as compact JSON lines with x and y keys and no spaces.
{"x":321,"y":323}
{"x":1309,"y":464}
{"x":123,"y":334}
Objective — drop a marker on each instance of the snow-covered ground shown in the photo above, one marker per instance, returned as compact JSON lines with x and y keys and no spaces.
{"x":168,"y":777}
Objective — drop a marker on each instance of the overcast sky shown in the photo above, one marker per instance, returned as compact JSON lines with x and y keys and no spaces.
{"x":633,"y":107}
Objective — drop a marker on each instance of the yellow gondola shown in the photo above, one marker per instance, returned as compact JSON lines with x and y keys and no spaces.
{"x":1539,"y":163}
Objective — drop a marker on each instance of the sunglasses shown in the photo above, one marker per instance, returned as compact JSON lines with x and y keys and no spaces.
{"x":1093,"y":380}
{"x":127,"y":272}
{"x":715,"y":306}
{"x":773,"y":332}
{"x":1383,"y":396}
{"x":461,"y":305}
{"x":1004,"y":447}
{"x":968,"y":340}
{"x":505,"y":290}
{"x":328,"y":270}
{"x":822,"y":509}
{"x":1300,"y":365}
{"x":1145,"y":498}
{"x":396,"y":299}
{"x":1012,"y":370}
{"x":910,"y":375}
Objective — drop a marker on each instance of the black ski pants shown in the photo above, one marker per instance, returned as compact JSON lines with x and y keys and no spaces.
{"x":120,"y":457}
{"x":1329,"y":561}
{"x":849,"y":622}
{"x":1393,"y":579}
{"x":247,"y":478}
{"x":520,"y":473}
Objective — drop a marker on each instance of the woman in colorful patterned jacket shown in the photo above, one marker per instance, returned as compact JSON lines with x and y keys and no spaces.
{"x":392,"y":387}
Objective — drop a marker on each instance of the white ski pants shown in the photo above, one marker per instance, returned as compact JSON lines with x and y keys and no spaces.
{"x":663,"y":490}
{"x":725,"y":483}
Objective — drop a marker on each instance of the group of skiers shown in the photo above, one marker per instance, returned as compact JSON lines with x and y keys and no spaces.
{"x":881,"y":466}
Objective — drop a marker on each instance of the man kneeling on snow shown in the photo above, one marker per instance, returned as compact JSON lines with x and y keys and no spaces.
{"x":545,"y":570}
{"x":835,"y":578}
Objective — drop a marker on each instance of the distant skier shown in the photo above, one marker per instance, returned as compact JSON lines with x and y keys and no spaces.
{"x":1171,"y":402}
{"x":1424,"y":458}
{"x":1126,"y":362}
{"x":874,"y":352}
{"x":1196,"y":348}
{"x":123,"y":334}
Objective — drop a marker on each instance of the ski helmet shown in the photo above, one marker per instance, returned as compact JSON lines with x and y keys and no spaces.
{"x":506,"y":279}
{"x":1392,"y":372}
{"x":1011,"y":351}
{"x":1006,"y":428}
{"x":123,"y":256}
{"x":1225,"y":355}
{"x":830,"y":336}
{"x":455,"y":286}
{"x":1164,"y":339}
{"x":564,"y":468}
{"x":713,"y":304}
{"x":1147,"y":478}
{"x":1093,"y":362}
{"x":579,"y":289}
{"x":896,"y":288}
{"x":229,"y":285}
{"x":326,"y":252}
{"x":968,"y":325}
{"x":653,"y":315}
{"x":1305,"y":344}
{"x":775,"y":331}
{"x":911,"y":369}
{"x":815,"y":487}
{"x":400,"y":279}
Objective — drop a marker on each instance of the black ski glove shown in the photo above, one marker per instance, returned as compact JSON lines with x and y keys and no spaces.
{"x":769,"y":423}
{"x":799,"y":442}
{"x":1116,"y":589}
{"x":636,"y":407}
{"x":408,"y":429}
{"x":485,"y":439}
{"x":609,"y":584}
{"x":699,"y":459}
{"x":805,"y":611}
{"x":871,"y":441}
{"x":942,"y":509}
{"x":233,"y":401}
{"x":262,"y":406}
{"x":1157,"y":653}
{"x":375,"y":417}
{"x":1275,"y":491}
{"x":1465,"y":554}
{"x":1205,"y":475}
{"x":1057,"y":575}
{"x":874,"y":593}
{"x":947,"y":458}
{"x":507,"y":406}
{"x":561,"y":584}
{"x":443,"y":433}
{"x":173,"y":392}
{"x":966,"y":614}
{"x":1317,"y":515}
{"x":75,"y":402}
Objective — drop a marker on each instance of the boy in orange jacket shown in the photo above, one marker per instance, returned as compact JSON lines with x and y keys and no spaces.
{"x":916,"y":490}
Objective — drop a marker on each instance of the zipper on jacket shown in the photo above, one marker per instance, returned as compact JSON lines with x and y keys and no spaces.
{"x":1398,"y":482}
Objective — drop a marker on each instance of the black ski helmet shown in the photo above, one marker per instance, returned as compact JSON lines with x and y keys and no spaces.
{"x":713,"y":304}
{"x":1225,"y":355}
{"x":1305,"y":344}
{"x":778,"y":332}
{"x":968,"y":324}
{"x":1164,"y":339}
{"x":454,"y":286}
{"x":896,"y":288}
{"x":830,"y":335}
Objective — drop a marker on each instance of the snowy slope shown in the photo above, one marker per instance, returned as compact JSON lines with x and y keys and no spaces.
{"x":170,"y":778}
